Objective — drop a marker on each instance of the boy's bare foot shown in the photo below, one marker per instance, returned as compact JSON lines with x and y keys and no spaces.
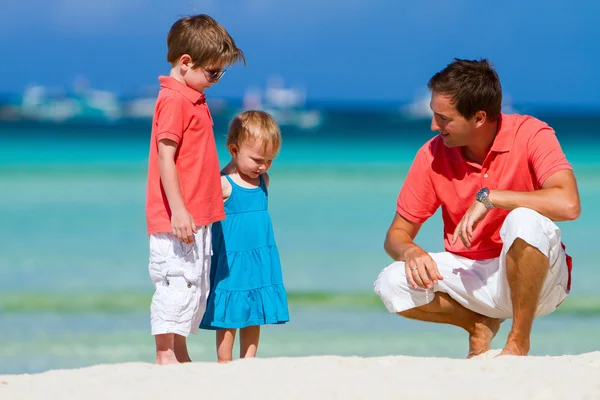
{"x":481,"y":339}
{"x":166,"y":358}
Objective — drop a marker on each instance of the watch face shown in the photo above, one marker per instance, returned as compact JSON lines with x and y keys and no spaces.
{"x":481,"y":194}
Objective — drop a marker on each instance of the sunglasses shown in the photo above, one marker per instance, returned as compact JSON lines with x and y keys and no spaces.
{"x":214,"y":76}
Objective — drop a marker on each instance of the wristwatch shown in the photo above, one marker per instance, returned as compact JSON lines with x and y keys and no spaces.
{"x":483,"y":196}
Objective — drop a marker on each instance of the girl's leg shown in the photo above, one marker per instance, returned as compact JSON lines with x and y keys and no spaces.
{"x":181,"y":351}
{"x":249,"y":338}
{"x":225,"y":339}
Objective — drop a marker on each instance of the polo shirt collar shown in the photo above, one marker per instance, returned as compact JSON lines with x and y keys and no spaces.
{"x":505,"y":136}
{"x":502,"y":142}
{"x":186,"y":91}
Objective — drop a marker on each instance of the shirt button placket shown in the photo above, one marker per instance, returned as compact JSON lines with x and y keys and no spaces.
{"x":484,"y":176}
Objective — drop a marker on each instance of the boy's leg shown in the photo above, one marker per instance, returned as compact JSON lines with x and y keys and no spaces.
{"x":165,"y":349}
{"x":181,"y":351}
{"x":225,"y":339}
{"x":180,"y":274}
{"x":249,"y":338}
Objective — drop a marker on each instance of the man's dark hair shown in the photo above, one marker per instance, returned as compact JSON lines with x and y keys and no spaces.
{"x":473,"y":85}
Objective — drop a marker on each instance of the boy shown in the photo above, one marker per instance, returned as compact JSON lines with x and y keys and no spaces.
{"x":183,"y":194}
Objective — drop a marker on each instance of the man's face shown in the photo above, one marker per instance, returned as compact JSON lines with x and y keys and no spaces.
{"x":455,"y":130}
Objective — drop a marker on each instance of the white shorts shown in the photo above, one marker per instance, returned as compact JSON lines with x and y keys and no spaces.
{"x":482,"y":286}
{"x":181,"y":276}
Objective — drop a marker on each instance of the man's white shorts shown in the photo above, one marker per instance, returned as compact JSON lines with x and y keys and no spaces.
{"x":181,"y":276}
{"x":482,"y":286}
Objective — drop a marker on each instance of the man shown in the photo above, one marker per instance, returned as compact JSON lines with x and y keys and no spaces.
{"x":501,"y":181}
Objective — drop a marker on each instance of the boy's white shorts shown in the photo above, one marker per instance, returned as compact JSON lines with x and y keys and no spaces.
{"x":482,"y":286}
{"x":181,"y":276}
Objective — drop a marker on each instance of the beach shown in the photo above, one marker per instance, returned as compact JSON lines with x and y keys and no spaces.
{"x":75,"y":290}
{"x":322,"y":377}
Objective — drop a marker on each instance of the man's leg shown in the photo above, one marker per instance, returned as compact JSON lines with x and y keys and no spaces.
{"x":445,"y":310}
{"x":526,"y":270}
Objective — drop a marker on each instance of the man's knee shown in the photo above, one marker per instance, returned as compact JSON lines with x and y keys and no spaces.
{"x":389,"y":278}
{"x":389,"y":283}
{"x":533,"y":230}
{"x":522,"y":216}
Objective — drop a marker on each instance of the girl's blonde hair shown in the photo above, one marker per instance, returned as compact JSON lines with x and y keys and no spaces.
{"x":252,"y":125}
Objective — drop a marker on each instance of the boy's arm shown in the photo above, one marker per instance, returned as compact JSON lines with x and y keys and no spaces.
{"x":182,"y":222}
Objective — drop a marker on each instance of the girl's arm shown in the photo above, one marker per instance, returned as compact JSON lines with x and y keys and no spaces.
{"x":266,"y":178}
{"x":225,"y":187}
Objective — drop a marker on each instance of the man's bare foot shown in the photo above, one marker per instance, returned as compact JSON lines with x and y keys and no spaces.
{"x":515,"y":348}
{"x":480,"y":339}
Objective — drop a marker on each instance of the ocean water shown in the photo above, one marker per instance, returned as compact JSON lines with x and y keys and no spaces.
{"x":74,"y":287}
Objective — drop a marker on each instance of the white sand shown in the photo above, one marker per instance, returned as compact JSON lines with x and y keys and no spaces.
{"x":323,"y":377}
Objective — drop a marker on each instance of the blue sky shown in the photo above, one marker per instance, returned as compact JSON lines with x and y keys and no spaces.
{"x":354,"y":50}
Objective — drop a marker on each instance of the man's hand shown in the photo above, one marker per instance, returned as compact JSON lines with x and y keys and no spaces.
{"x":183,"y":226}
{"x":467,"y":224}
{"x":421,"y":270}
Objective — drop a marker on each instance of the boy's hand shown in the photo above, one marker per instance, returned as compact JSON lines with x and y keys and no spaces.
{"x":183,"y":226}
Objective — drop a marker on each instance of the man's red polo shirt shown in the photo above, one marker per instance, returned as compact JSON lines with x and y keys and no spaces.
{"x":524,"y":154}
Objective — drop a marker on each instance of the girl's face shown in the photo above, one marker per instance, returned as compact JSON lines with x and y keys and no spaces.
{"x":252,"y":158}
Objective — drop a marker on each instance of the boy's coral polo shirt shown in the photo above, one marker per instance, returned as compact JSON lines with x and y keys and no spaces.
{"x":181,"y":115}
{"x":524,"y":154}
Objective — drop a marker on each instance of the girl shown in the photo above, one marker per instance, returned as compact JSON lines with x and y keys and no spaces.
{"x":246,"y":280}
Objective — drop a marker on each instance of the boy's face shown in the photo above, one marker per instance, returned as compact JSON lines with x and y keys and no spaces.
{"x":201,"y":78}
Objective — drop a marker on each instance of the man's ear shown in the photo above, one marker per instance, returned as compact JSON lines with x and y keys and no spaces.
{"x":480,"y":118}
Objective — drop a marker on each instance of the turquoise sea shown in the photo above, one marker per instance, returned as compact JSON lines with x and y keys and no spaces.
{"x":74,"y":286}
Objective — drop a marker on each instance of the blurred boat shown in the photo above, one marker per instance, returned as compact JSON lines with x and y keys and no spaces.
{"x":287,"y":105}
{"x":419,"y":108}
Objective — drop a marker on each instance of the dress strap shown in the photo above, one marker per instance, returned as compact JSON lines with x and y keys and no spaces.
{"x":230,"y":180}
{"x":235,"y":185}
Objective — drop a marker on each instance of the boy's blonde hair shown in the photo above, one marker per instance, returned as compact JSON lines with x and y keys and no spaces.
{"x":204,"y":40}
{"x":251,"y":125}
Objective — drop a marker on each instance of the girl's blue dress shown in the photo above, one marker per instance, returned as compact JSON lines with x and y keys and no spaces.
{"x":246,"y":283}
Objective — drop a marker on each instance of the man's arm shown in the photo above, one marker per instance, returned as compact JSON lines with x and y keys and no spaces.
{"x":558,"y":199}
{"x":182,"y":222}
{"x":400,"y":237}
{"x":421,"y":270}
